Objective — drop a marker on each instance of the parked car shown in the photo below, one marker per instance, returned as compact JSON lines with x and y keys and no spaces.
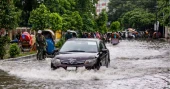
{"x":90,"y":53}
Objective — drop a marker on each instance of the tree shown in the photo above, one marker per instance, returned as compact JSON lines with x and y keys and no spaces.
{"x":55,"y":21}
{"x":76,"y":21}
{"x":9,"y":20}
{"x":101,"y":21}
{"x":166,"y":18}
{"x":39,"y":18}
{"x":118,"y":7}
{"x":72,"y":21}
{"x":164,"y":12}
{"x":86,"y":6}
{"x":88,"y":23}
{"x":60,"y":6}
{"x":137,"y":18}
{"x":3,"y":41}
{"x":66,"y":22}
{"x":9,"y":15}
{"x":115,"y":26}
{"x":26,"y":6}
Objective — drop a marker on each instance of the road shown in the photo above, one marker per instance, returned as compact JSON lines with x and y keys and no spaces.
{"x":134,"y":65}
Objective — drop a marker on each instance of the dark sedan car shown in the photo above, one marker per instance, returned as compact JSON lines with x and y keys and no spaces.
{"x":82,"y":52}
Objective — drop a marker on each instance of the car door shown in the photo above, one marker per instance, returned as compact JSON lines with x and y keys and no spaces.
{"x":103,"y":54}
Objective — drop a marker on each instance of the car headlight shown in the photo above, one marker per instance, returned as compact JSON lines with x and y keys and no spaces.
{"x":56,"y":61}
{"x":90,"y":61}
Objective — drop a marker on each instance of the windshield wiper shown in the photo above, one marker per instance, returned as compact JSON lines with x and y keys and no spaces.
{"x":91,"y":52}
{"x":75,"y":51}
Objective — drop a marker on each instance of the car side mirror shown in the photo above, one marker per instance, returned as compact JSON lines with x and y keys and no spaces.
{"x":57,"y":50}
{"x":104,"y":50}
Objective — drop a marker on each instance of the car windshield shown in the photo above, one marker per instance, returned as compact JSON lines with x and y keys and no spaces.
{"x":79,"y":46}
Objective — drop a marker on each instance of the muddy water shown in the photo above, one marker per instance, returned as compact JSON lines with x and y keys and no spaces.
{"x":132,"y":62}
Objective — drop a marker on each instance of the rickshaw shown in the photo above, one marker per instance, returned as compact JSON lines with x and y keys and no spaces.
{"x":51,"y":50}
{"x":115,"y":39}
{"x":26,"y":42}
{"x":74,"y":33}
{"x":108,"y":39}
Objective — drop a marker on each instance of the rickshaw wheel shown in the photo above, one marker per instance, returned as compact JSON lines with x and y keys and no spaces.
{"x":54,"y":54}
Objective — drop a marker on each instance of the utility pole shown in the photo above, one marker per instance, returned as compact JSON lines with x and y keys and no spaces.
{"x":163,"y":25}
{"x":156,"y":7}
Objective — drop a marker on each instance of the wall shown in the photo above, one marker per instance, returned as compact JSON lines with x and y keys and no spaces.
{"x":167,"y":31}
{"x":13,"y":33}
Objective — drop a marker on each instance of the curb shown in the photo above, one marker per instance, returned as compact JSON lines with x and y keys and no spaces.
{"x":21,"y":58}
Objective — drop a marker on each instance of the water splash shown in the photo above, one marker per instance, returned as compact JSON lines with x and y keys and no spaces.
{"x":126,"y":61}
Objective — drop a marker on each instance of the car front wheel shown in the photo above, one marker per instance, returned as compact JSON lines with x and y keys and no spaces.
{"x":107,"y":62}
{"x":89,"y":68}
{"x":97,"y":66}
{"x":53,"y":67}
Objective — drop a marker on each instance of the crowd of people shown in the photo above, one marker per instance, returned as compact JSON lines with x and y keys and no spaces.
{"x":105,"y":37}
{"x":112,"y":35}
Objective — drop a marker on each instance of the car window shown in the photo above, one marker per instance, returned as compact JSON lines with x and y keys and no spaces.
{"x":102,"y":46}
{"x":79,"y":46}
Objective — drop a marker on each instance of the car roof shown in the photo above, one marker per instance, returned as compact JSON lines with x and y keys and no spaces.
{"x":85,"y":39}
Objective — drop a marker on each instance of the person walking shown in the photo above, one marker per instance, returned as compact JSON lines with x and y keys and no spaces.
{"x":41,"y":45}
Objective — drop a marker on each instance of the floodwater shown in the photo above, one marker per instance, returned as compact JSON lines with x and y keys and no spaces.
{"x":134,"y":65}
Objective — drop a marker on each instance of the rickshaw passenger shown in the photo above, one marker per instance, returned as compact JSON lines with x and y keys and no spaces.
{"x":74,"y":35}
{"x":41,"y":45}
{"x":89,"y":35}
{"x":18,"y":36}
{"x":68,"y":35}
{"x":84,"y":35}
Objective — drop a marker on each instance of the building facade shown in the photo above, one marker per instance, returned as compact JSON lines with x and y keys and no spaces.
{"x":102,"y":4}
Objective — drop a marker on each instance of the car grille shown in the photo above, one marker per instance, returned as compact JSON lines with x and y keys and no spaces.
{"x":72,"y":62}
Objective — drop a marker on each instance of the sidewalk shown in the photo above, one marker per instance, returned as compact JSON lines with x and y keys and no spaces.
{"x":32,"y":56}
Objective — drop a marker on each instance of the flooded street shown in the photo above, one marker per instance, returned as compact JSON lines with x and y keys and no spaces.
{"x":134,"y":65}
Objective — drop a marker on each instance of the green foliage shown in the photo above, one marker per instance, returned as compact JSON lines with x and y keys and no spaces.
{"x":55,"y":21}
{"x":60,"y":6}
{"x":14,"y":50}
{"x":118,"y":7}
{"x":26,"y":6}
{"x":9,"y":15}
{"x":86,"y":6}
{"x":164,"y":12}
{"x":39,"y":18}
{"x":66,"y":22}
{"x":137,"y":18}
{"x":72,"y":12}
{"x":115,"y":26}
{"x":72,"y":21}
{"x":139,"y":13}
{"x":88,"y":23}
{"x":101,"y":21}
{"x":60,"y":43}
{"x":3,"y":41}
{"x":76,"y":22}
{"x":167,"y":21}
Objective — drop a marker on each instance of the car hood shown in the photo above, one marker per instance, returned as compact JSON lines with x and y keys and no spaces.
{"x":77,"y":56}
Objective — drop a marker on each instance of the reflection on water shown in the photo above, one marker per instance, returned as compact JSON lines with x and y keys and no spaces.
{"x":8,"y":81}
